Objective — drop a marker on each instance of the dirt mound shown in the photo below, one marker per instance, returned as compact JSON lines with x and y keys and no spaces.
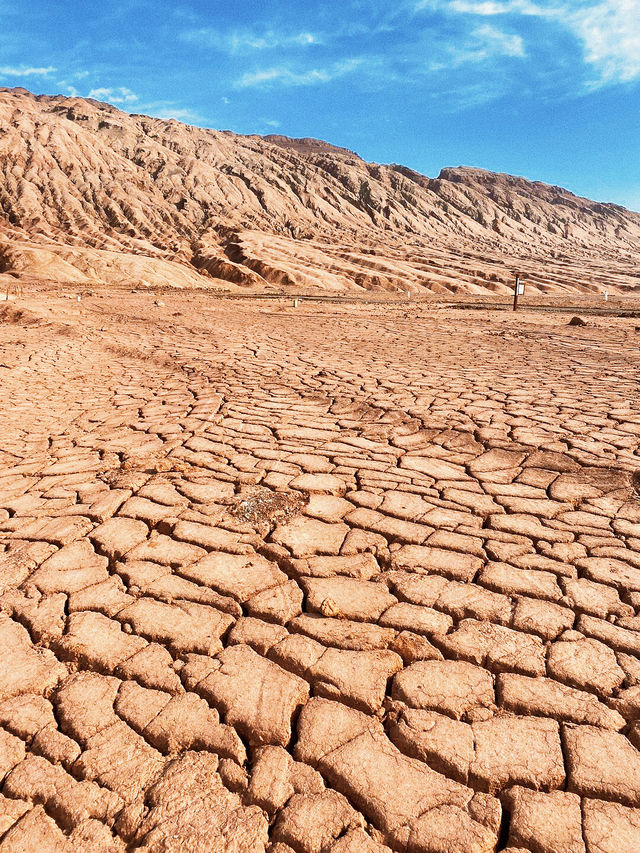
{"x":17,"y":316}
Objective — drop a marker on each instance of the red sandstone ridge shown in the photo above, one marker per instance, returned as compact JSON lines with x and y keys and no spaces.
{"x":90,"y":194}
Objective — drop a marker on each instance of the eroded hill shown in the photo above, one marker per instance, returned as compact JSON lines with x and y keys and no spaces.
{"x":89,"y":193}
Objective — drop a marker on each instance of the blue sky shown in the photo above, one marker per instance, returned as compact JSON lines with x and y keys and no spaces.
{"x":549,"y":89}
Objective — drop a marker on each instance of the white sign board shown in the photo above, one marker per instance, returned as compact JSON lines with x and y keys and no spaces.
{"x":520,"y":289}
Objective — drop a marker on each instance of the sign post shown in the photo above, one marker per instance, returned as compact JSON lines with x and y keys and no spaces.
{"x":518,"y":290}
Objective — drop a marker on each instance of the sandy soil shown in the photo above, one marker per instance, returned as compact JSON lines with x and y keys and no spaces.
{"x":327,"y":579}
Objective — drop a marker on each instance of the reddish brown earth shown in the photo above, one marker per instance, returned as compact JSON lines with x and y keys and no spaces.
{"x":91,"y":195}
{"x":333,"y":579}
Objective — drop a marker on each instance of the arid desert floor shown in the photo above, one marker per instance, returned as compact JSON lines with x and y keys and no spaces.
{"x":340,"y":578}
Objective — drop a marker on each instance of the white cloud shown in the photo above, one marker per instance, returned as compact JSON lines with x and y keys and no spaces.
{"x":167,"y":110}
{"x":488,"y":8}
{"x":244,"y":41}
{"x":26,"y":71}
{"x":273,"y":123}
{"x":119,"y":95}
{"x":282,"y":75}
{"x":497,"y":41}
{"x":608,"y":30}
{"x":610,"y":33}
{"x":286,"y":77}
{"x":173,"y":112}
{"x":482,"y":8}
{"x":484,"y":44}
{"x":71,"y":91}
{"x":494,"y":42}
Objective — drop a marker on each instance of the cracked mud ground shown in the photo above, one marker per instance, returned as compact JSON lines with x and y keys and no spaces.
{"x":334,"y":580}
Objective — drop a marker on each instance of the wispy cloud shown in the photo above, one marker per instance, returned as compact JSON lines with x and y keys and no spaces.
{"x":610,"y":33}
{"x":26,"y":71}
{"x":246,"y":41}
{"x":484,"y":43}
{"x":496,"y":42}
{"x":168,"y":110}
{"x":178,"y":113}
{"x":118,"y":95}
{"x":71,"y":91}
{"x":608,"y":30}
{"x":486,"y":8}
{"x":469,"y":95}
{"x":283,"y":76}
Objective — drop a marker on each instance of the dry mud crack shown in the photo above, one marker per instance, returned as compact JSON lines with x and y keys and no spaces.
{"x":356,"y":580}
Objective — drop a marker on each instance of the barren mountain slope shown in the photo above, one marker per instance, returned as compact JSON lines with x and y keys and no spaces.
{"x":89,"y":193}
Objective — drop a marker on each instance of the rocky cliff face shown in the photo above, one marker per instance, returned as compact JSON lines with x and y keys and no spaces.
{"x":89,"y":193}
